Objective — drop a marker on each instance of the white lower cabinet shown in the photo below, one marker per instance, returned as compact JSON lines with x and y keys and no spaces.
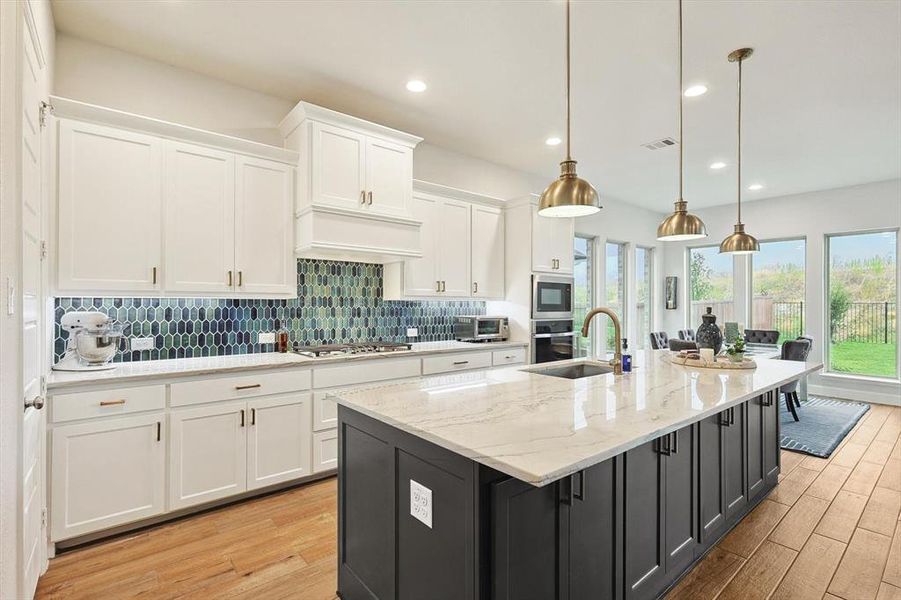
{"x":325,"y":450}
{"x":278,"y":439}
{"x":207,"y":453}
{"x":107,"y":473}
{"x":325,"y":411}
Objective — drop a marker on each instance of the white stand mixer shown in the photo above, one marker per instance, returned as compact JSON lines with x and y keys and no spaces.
{"x":94,"y":339}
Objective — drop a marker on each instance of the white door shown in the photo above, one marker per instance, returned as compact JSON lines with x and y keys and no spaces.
{"x":552,"y":244}
{"x":110,"y":207}
{"x":487,"y":252}
{"x":325,"y":450}
{"x":389,"y":177}
{"x":421,"y":274}
{"x":454,"y":248}
{"x":33,"y":545}
{"x":199,"y":200}
{"x":207,"y":453}
{"x":278,"y":439}
{"x":107,"y":472}
{"x":264,"y":227}
{"x":338,"y":175}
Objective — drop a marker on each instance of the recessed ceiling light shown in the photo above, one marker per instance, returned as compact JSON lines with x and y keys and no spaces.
{"x":553,"y":141}
{"x":717,"y":165}
{"x":415,"y":85}
{"x":755,"y":186}
{"x":696,"y":90}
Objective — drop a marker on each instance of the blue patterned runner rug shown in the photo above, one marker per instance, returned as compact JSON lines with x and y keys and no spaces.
{"x":824,"y":424}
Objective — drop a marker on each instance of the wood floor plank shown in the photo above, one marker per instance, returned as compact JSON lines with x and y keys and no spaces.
{"x":744,"y":539}
{"x":879,"y":451}
{"x":814,"y":463}
{"x":881,"y":513}
{"x":860,"y":572}
{"x":790,"y":460}
{"x":793,"y":485}
{"x":863,"y":478}
{"x":849,"y":455}
{"x":760,"y":575}
{"x":888,"y":592}
{"x":709,"y":577}
{"x":810,"y":574}
{"x":797,"y":525}
{"x":842,"y":516}
{"x":892,"y":573}
{"x":891,"y":475}
{"x":829,"y":482}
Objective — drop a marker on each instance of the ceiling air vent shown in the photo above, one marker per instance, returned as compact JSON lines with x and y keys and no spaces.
{"x":659,"y":144}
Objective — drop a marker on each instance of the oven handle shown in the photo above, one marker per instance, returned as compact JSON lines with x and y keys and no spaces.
{"x":538,"y":336}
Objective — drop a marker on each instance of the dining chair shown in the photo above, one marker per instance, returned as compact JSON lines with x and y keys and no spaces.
{"x":682,"y":345}
{"x":797,"y":350}
{"x":687,"y":335}
{"x":761,"y":336}
{"x":659,"y":340}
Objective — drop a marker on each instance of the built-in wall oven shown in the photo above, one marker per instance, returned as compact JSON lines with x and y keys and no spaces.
{"x":552,"y":297}
{"x":553,"y":339}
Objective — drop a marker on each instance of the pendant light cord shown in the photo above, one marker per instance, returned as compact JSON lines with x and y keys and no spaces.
{"x":739,"y":140}
{"x":681,"y":145}
{"x":568,"y":133}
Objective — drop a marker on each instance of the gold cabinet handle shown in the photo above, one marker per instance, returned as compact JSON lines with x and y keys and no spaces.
{"x":443,"y":286}
{"x":154,"y":275}
{"x":242,"y":417}
{"x":370,"y":198}
{"x":437,"y":286}
{"x":362,"y":197}
{"x":159,"y":430}
{"x":229,"y":279}
{"x":248,"y":387}
{"x":240,"y":278}
{"x":475,"y":287}
{"x":461,"y":362}
{"x":253,"y":416}
{"x":111,"y":402}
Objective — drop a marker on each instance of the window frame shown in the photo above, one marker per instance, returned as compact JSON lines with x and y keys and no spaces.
{"x":750,"y":290}
{"x":686,"y":295}
{"x":651,"y":258}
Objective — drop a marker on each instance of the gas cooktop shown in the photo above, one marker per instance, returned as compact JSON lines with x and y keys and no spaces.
{"x":346,"y":349}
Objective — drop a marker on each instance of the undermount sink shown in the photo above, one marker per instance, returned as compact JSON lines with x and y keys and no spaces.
{"x":577,"y":371}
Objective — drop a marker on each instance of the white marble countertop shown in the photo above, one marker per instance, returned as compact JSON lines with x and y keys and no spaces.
{"x":539,"y":428}
{"x":148,"y":370}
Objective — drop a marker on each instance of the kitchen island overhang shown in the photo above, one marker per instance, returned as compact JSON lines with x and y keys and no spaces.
{"x":541,"y":487}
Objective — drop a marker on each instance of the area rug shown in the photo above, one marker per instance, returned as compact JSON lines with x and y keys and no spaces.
{"x":824,"y":424}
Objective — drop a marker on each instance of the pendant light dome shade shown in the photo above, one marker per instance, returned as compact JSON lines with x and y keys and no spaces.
{"x":681,"y":225}
{"x":569,"y":195}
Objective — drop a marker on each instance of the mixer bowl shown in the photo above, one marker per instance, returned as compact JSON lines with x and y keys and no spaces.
{"x":97,"y":346}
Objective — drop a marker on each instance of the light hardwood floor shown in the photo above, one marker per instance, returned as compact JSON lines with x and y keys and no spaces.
{"x":830,"y":530}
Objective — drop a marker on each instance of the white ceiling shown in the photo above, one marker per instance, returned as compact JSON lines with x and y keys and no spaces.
{"x":822,"y":91}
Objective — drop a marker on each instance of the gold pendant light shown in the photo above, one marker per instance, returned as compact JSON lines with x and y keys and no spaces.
{"x":568,"y":195}
{"x":681,"y":225}
{"x":739,"y":242}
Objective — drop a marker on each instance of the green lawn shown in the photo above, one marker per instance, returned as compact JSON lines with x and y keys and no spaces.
{"x":863,"y":358}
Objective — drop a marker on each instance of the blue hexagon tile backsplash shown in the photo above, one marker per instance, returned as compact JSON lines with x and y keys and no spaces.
{"x":337,"y":302}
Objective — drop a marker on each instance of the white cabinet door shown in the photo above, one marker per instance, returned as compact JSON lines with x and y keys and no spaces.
{"x":325,"y":411}
{"x":338,"y":173}
{"x":552,"y":244}
{"x":453,"y":228}
{"x":389,"y":177}
{"x":110,"y":209}
{"x":325,"y":450}
{"x":264,"y":227}
{"x":278,"y":439}
{"x":107,"y":473}
{"x":199,"y":199}
{"x":207,"y":453}
{"x":487,"y":252}
{"x":421,"y":274}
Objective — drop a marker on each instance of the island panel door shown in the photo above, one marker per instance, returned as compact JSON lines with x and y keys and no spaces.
{"x":771,"y":437}
{"x":592,"y":531}
{"x":681,"y":500}
{"x":756,"y":411}
{"x":734,"y":453}
{"x":643,"y":529}
{"x":710,"y":472}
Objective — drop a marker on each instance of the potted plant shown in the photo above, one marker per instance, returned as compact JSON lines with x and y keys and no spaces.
{"x":736,"y":350}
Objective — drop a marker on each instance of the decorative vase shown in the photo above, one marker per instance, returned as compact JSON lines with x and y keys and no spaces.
{"x":737,"y":357}
{"x":708,"y":334}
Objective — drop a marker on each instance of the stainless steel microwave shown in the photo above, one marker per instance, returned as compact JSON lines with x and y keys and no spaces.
{"x":552,"y":297}
{"x":479,"y":328}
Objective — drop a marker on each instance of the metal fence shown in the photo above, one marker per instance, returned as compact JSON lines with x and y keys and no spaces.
{"x":869,"y":322}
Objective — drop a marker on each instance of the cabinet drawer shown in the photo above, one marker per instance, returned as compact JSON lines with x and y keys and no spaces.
{"x":508,"y":356}
{"x":119,"y":401}
{"x":366,"y":372}
{"x":325,"y":411}
{"x":455,"y":362}
{"x":232,"y":388}
{"x":325,"y":450}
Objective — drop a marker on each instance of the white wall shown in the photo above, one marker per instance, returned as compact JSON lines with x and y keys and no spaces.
{"x":813,"y":216}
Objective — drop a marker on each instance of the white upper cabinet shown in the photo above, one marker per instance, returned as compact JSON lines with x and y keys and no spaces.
{"x":338,"y":175}
{"x":389,"y":177}
{"x":199,"y":188}
{"x":487,"y":252}
{"x":264,"y":257}
{"x":110,"y":209}
{"x":552,"y":244}
{"x":453,"y":249}
{"x":151,"y":213}
{"x":420,"y":275}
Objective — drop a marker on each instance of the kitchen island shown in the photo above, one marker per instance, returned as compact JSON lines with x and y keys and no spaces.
{"x":521,"y":483}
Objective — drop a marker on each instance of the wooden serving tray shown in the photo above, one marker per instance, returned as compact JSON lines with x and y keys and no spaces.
{"x":720,"y":362}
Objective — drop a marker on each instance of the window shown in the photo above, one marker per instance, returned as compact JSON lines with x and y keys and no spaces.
{"x":710,"y":284}
{"x":615,"y":279}
{"x":862,"y":304}
{"x":583,"y":290}
{"x":777,"y":283}
{"x":644,"y":263}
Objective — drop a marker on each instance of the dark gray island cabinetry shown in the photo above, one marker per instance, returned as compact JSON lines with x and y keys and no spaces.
{"x":443,"y":505}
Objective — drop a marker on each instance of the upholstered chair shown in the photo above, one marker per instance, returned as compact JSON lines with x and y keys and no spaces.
{"x":682,"y":345}
{"x":659,"y":340}
{"x":794,"y":350}
{"x":761,"y":336}
{"x":687,"y":335}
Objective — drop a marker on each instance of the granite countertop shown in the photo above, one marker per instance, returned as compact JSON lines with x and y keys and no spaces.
{"x":148,"y":370}
{"x":539,"y":428}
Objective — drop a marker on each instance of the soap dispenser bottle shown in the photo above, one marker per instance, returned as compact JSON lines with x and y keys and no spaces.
{"x":627,"y":358}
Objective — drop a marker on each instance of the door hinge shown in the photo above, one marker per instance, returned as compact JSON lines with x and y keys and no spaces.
{"x":46,"y":109}
{"x":43,"y":385}
{"x":43,"y":249}
{"x":43,"y":517}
